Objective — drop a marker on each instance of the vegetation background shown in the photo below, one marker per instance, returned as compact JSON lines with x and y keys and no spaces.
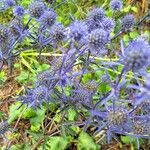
{"x":29,"y":126}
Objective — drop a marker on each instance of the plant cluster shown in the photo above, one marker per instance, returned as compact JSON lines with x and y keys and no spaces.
{"x":83,"y":46}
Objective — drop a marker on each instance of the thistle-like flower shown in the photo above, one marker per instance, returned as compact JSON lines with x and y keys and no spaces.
{"x":128,"y":22}
{"x":137,"y":55}
{"x":44,"y":78}
{"x":117,"y":117}
{"x":4,"y":34}
{"x":91,"y":86}
{"x":116,"y":5}
{"x":10,"y":3}
{"x":141,"y":127}
{"x":145,"y":106}
{"x":48,"y":18}
{"x":97,"y":39}
{"x":16,"y":27}
{"x":36,"y":97}
{"x":108,"y":24}
{"x":56,"y":64}
{"x":36,"y":9}
{"x":18,"y":11}
{"x":57,"y":33}
{"x":77,"y":30}
{"x":94,"y":18}
{"x":83,"y":92}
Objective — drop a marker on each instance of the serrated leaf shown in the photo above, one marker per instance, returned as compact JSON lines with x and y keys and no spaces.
{"x":36,"y":121}
{"x":56,"y":143}
{"x":29,"y":113}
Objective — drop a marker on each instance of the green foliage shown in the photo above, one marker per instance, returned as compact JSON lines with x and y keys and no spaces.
{"x":131,"y":141}
{"x":15,"y":111}
{"x":85,"y":142}
{"x":2,"y":78}
{"x":72,"y":114}
{"x":134,"y":34}
{"x":37,"y":120}
{"x":1,"y":114}
{"x":23,"y":77}
{"x":29,"y":66}
{"x":57,"y":142}
{"x":29,"y":113}
{"x":20,"y":147}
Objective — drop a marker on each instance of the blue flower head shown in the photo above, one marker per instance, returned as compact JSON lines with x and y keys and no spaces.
{"x":83,"y":92}
{"x":43,"y":78}
{"x":97,"y":39}
{"x":96,"y":14}
{"x":137,"y":55}
{"x":141,"y":127}
{"x":117,"y":117}
{"x":145,"y":106}
{"x":128,"y":22}
{"x":57,"y":33}
{"x":77,"y":30}
{"x":10,"y":3}
{"x":94,"y":18}
{"x":16,"y":27}
{"x":48,"y":18}
{"x":108,"y":24}
{"x":18,"y":11}
{"x":4,"y":34}
{"x":36,"y":9}
{"x":35,"y":97}
{"x":116,"y":5}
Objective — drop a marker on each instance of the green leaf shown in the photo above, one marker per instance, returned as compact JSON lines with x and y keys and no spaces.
{"x":27,"y":65}
{"x":14,"y":112}
{"x":131,"y":140}
{"x":126,"y":38}
{"x":71,"y":114}
{"x":134,"y":34}
{"x":126,"y":139}
{"x":109,"y":13}
{"x":43,"y":67}
{"x":126,"y":9}
{"x":57,"y":117}
{"x":23,"y":77}
{"x":56,"y":143}
{"x":2,"y":77}
{"x":20,"y":147}
{"x":86,"y":142}
{"x":1,"y":114}
{"x":37,"y":120}
{"x":29,"y":113}
{"x":134,"y":9}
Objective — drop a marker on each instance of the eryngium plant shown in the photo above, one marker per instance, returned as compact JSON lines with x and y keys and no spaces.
{"x":81,"y":46}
